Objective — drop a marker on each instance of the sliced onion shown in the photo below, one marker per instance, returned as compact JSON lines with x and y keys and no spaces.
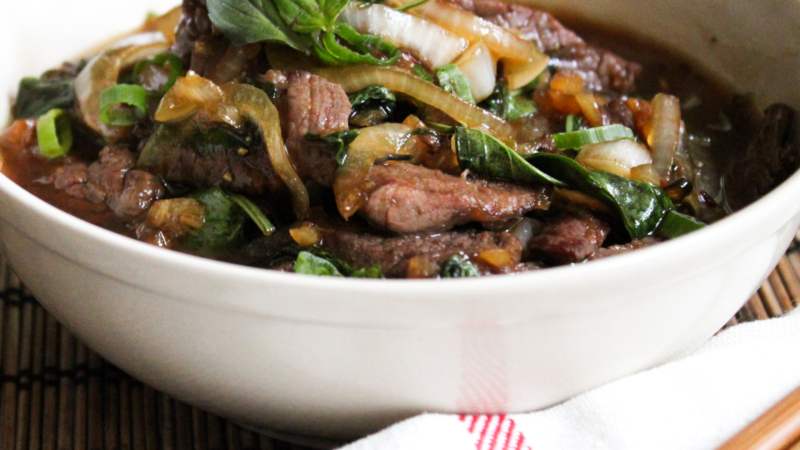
{"x":355,"y":78}
{"x":664,"y":133}
{"x":591,"y":112}
{"x":525,"y":230}
{"x":188,"y":96}
{"x":480,"y":70}
{"x":646,"y":173}
{"x":254,"y":104}
{"x":617,"y":157}
{"x":527,"y":61}
{"x":165,"y":23}
{"x":429,"y":42}
{"x":350,"y":185}
{"x":102,"y":73}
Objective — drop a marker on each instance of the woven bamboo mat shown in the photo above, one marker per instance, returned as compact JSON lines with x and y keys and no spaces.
{"x":59,"y":395}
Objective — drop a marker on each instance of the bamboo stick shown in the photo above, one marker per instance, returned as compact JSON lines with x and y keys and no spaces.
{"x":199,"y":434}
{"x":773,"y":430}
{"x":770,"y":300}
{"x":125,"y":419}
{"x":10,"y":359}
{"x":50,"y":407}
{"x":183,"y":426}
{"x":66,"y":391}
{"x":94,"y":429}
{"x":111,"y":406}
{"x":37,"y":372}
{"x":81,"y":396}
{"x":24,"y":387}
{"x":790,"y":279}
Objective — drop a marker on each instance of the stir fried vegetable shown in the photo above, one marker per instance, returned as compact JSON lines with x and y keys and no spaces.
{"x":398,"y":138}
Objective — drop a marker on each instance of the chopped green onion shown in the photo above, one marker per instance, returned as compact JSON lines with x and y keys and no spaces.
{"x":254,"y":212}
{"x":577,"y":139}
{"x":571,"y":124}
{"x":123,"y":94}
{"x":330,"y":51}
{"x":164,"y":59}
{"x":405,"y":8}
{"x":420,"y":71}
{"x":459,"y":267}
{"x":54,"y":132}
{"x":453,"y":81}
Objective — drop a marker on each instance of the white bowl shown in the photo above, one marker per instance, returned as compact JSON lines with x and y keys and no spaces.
{"x":340,"y":358}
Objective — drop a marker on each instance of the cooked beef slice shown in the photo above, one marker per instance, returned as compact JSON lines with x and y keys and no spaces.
{"x":769,"y":160}
{"x":248,"y":172}
{"x":570,"y":237}
{"x":364,"y":250}
{"x":617,"y":111}
{"x":313,"y":106}
{"x":110,"y":179}
{"x":605,"y":252}
{"x":194,"y":25}
{"x":413,"y":199}
{"x":600,"y":69}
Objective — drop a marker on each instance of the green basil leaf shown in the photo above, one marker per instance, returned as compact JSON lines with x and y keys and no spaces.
{"x":249,"y":21}
{"x":510,"y":105}
{"x":310,"y":264}
{"x":485,"y":155}
{"x":676,"y":224}
{"x":338,"y":141}
{"x":36,"y":96}
{"x":459,"y":267}
{"x":363,"y":51}
{"x":579,"y":138}
{"x":223,"y":221}
{"x":640,"y":206}
{"x":453,"y":81}
{"x":255,"y":213}
{"x":372,"y":106}
{"x":325,"y":260}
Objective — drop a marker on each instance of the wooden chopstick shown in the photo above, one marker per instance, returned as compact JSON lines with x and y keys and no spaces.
{"x":776,"y":429}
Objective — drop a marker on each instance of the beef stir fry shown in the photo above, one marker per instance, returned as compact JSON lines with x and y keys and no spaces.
{"x":398,"y":139}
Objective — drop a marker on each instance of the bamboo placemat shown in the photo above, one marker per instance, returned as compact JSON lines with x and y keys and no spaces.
{"x":59,"y":395}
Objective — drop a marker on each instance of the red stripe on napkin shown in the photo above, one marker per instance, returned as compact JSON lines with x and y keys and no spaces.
{"x":494,"y":432}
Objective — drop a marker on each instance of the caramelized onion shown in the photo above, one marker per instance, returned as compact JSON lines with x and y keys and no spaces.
{"x":355,"y":78}
{"x":664,"y":133}
{"x":102,"y":73}
{"x":350,"y":184}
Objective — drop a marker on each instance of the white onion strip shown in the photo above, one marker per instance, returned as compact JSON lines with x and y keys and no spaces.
{"x":617,"y":157}
{"x":429,"y":42}
{"x":665,"y":132}
{"x":356,"y":78}
{"x":480,"y":70}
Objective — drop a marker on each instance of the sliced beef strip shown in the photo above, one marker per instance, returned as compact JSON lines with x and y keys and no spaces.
{"x":769,"y":160}
{"x":393,"y":254}
{"x":413,"y":199}
{"x":570,"y":237}
{"x":110,"y":179}
{"x":317,"y":106}
{"x":249,"y":173}
{"x":194,"y":25}
{"x":602,"y":70}
{"x":605,"y":252}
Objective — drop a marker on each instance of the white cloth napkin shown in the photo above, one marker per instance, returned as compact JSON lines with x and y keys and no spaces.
{"x":696,"y":402}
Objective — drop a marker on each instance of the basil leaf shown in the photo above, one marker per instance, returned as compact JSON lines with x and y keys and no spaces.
{"x":459,"y":267}
{"x":255,"y":213}
{"x":510,"y":105}
{"x":676,"y":224}
{"x":310,"y":264}
{"x":219,"y":138}
{"x":36,"y":97}
{"x":453,"y":81}
{"x":485,"y":155}
{"x":640,"y":206}
{"x":316,"y":260}
{"x":363,"y":51}
{"x":579,"y":138}
{"x":249,"y":21}
{"x":223,"y":221}
{"x":372,"y":106}
{"x":338,"y":141}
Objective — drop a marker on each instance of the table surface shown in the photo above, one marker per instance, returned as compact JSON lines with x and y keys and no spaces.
{"x":57,"y":394}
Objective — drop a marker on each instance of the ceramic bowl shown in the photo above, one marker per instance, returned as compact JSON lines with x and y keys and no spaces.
{"x":339,"y":358}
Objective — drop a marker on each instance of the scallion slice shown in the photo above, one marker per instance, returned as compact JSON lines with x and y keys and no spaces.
{"x":123,"y":94}
{"x":453,"y":81}
{"x":577,"y":139}
{"x":54,"y":132}
{"x":254,"y":212}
